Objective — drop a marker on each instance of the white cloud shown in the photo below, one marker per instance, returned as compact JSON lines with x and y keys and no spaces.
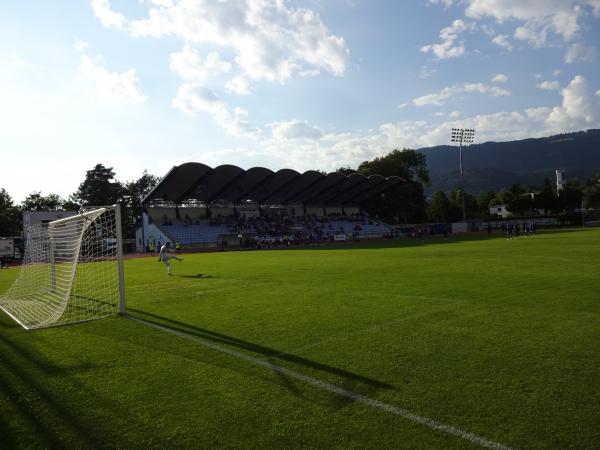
{"x":539,"y":16}
{"x":14,"y":62}
{"x":446,"y":3}
{"x":455,"y":114}
{"x":536,"y":21}
{"x":193,"y":98}
{"x":598,"y":92}
{"x":502,"y":41}
{"x":104,"y":13}
{"x":549,"y":85}
{"x":309,"y":73}
{"x":295,"y":129}
{"x":535,"y":33}
{"x":167,"y":3}
{"x":595,"y":4}
{"x":426,"y":72}
{"x":556,"y":72}
{"x":335,"y":150}
{"x":447,"y":49}
{"x":112,"y":88}
{"x":499,"y":78}
{"x":341,"y":149}
{"x":440,"y":98}
{"x":239,"y":86}
{"x":402,"y":105}
{"x":190,"y":66}
{"x":579,"y":52}
{"x":80,"y":45}
{"x":271,"y":41}
{"x":577,"y":110}
{"x":487,"y":30}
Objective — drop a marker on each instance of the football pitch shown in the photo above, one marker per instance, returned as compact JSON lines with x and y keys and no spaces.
{"x":465,"y":342}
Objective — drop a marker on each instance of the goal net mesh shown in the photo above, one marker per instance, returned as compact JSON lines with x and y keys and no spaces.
{"x":69,"y":272}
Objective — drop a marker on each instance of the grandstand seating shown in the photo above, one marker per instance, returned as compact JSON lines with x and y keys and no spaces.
{"x":205,"y":232}
{"x":199,"y":233}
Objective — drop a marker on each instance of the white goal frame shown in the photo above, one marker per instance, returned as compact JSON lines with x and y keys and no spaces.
{"x":72,"y":271}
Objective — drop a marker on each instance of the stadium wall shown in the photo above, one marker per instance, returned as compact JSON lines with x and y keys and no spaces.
{"x":148,"y":233}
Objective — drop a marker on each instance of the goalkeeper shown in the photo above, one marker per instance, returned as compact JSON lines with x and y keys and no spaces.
{"x":166,"y":257}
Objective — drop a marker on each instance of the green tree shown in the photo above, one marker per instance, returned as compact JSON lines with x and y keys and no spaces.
{"x":346,"y":170}
{"x":471,"y":206}
{"x":439,"y":208}
{"x":71,"y":204}
{"x":517,"y":199}
{"x":134,"y":192}
{"x":592,"y":191}
{"x":408,"y":164}
{"x":546,"y":199}
{"x":99,"y":188}
{"x":10,"y":216}
{"x":571,"y":195}
{"x":404,"y":202}
{"x":38,"y":202}
{"x":484,"y":201}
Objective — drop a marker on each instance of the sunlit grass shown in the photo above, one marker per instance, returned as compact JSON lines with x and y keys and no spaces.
{"x":498,"y":338}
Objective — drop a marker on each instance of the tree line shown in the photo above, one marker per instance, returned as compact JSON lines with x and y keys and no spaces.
{"x":519,"y":200}
{"x":405,"y":202}
{"x":100,"y":187}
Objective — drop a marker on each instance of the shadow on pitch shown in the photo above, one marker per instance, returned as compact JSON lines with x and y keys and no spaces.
{"x":271,"y":354}
{"x":197,"y":276}
{"x":36,"y":403}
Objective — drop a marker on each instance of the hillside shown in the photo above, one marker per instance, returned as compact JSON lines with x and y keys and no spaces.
{"x":496,"y":165}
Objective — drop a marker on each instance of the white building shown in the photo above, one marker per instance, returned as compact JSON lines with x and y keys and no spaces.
{"x":560,"y":180}
{"x":499,"y":211}
{"x":35,"y":217}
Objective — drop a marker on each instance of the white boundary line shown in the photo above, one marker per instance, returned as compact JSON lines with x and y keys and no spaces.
{"x":448,"y":429}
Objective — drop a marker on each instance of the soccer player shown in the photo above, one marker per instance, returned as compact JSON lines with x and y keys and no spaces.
{"x":166,"y":257}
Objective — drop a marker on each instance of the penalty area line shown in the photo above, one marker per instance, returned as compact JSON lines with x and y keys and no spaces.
{"x":359,"y":398}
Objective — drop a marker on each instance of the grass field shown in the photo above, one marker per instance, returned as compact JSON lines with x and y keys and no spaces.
{"x":497,"y":338}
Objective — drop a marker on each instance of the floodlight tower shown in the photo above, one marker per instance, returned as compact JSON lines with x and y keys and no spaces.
{"x":462,"y":136}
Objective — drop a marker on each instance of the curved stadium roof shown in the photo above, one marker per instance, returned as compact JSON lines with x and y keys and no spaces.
{"x":196,"y":181}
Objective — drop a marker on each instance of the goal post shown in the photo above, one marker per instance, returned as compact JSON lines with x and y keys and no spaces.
{"x":72,"y":271}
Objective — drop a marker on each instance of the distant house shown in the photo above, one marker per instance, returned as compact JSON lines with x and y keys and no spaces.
{"x":499,"y":211}
{"x":36,"y":217}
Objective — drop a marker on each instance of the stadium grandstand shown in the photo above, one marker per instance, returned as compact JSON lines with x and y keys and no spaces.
{"x":199,"y":206}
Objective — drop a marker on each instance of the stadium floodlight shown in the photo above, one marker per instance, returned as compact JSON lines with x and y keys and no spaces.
{"x":462,"y":136}
{"x":72,"y":271}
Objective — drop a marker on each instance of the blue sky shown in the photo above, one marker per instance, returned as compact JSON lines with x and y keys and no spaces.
{"x":310,"y":84}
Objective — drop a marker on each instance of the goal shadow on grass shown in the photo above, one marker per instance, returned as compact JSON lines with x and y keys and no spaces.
{"x":271,"y":354}
{"x":23,"y":370}
{"x":197,"y":276}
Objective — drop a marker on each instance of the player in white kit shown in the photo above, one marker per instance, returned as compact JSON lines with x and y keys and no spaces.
{"x":166,"y":257}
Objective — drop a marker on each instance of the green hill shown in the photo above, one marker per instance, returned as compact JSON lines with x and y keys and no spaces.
{"x":496,"y":165}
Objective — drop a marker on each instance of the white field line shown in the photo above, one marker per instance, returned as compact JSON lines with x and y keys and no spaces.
{"x":433,"y":424}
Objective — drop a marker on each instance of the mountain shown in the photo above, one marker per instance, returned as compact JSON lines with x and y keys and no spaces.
{"x":493,"y":166}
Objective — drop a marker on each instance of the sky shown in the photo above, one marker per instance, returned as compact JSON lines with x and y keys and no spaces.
{"x":301,"y":84}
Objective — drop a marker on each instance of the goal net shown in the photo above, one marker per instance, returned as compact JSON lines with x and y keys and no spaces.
{"x":72,"y":271}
